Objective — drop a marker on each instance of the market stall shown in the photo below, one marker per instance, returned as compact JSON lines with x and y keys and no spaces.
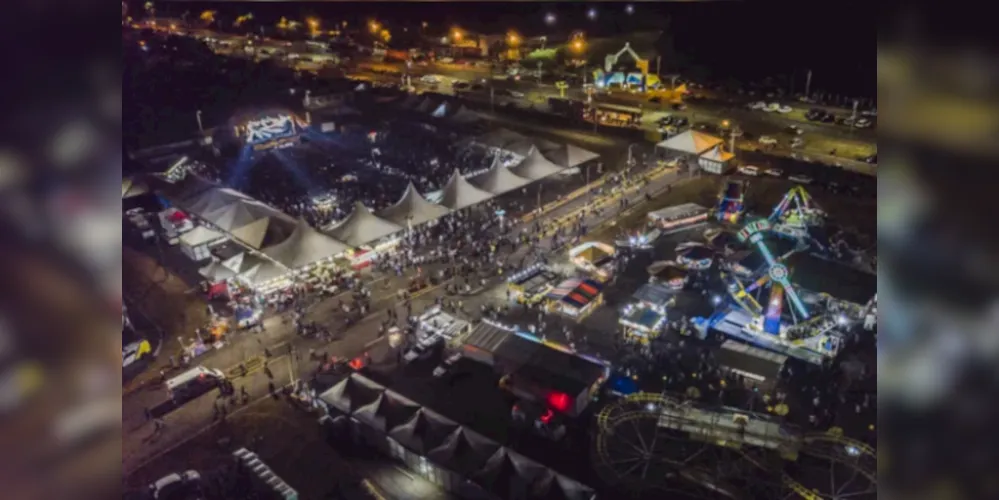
{"x":669,"y":274}
{"x":679,"y":217}
{"x":575,"y":298}
{"x":646,"y":317}
{"x":595,"y":258}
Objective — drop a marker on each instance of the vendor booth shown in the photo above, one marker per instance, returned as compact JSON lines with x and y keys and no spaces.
{"x":646,"y":317}
{"x":669,"y":274}
{"x":695,"y":257}
{"x":196,"y":244}
{"x":530,"y":285}
{"x":595,"y":258}
{"x":576,"y":298}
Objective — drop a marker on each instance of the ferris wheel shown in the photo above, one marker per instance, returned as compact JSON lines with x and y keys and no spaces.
{"x":648,"y":444}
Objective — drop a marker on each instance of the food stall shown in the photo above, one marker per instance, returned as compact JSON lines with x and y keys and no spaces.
{"x":695,"y":256}
{"x":678,"y":217}
{"x":595,"y":258}
{"x":668,"y":273}
{"x":646,"y":317}
{"x":530,"y":285}
{"x":575,"y":298}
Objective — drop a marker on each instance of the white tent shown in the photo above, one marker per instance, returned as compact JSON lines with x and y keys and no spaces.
{"x":507,"y":140}
{"x":426,"y":106}
{"x":305,"y":246}
{"x":265,"y":232}
{"x":567,"y":155}
{"x":362,"y":226}
{"x":499,"y":180}
{"x":131,"y":188}
{"x":441,"y":111}
{"x":240,"y":213}
{"x":690,"y":142}
{"x":459,"y":193}
{"x":200,"y":235}
{"x":413,"y":209}
{"x":535,"y":167}
{"x":464,"y":115}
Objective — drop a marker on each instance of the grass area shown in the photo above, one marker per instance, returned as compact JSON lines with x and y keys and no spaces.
{"x":761,"y":196}
{"x":844,"y":147}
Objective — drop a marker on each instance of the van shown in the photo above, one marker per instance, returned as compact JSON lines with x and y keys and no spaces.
{"x":193,"y":383}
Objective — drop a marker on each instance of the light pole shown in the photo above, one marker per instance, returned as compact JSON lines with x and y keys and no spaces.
{"x":201,"y":128}
{"x":630,"y":156}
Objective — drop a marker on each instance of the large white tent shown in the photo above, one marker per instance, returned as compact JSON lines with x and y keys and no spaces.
{"x":305,"y":246}
{"x":690,"y":142}
{"x":465,"y":116}
{"x":498,"y":180}
{"x":362,"y":226}
{"x":535,"y":167}
{"x":507,"y":140}
{"x":459,"y":193}
{"x":240,"y":213}
{"x":412,"y":208}
{"x":265,"y":232}
{"x":211,"y":200}
{"x":567,"y":155}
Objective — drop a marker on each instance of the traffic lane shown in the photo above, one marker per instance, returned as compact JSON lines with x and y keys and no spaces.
{"x":822,"y":174}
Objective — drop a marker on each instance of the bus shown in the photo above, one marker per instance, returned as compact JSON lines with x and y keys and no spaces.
{"x":615,"y":115}
{"x":193,"y":384}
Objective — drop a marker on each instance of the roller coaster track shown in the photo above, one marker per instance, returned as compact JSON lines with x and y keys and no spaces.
{"x":832,"y":447}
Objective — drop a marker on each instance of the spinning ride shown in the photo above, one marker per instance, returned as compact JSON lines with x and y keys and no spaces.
{"x":797,"y":215}
{"x":654,"y":443}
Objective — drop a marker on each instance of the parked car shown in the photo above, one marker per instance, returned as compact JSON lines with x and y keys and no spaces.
{"x":655,"y":99}
{"x":749,"y":170}
{"x":863,"y":122}
{"x":872,"y":159}
{"x":767,"y":140}
{"x":443,"y":368}
{"x":784,"y":109}
{"x":773,"y":172}
{"x":177,"y":485}
{"x":772,"y":107}
{"x":800,"y":179}
{"x":797,"y":142}
{"x":679,"y":106}
{"x":794,"y":129}
{"x":757,"y":105}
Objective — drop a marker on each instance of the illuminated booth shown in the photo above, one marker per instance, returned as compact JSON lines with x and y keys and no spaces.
{"x":695,"y":257}
{"x":669,"y":274}
{"x":576,"y":298}
{"x":595,"y":258}
{"x":678,"y":217}
{"x":646,"y":317}
{"x":531,"y":285}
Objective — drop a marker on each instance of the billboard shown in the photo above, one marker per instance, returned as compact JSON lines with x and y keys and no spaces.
{"x":270,"y":131}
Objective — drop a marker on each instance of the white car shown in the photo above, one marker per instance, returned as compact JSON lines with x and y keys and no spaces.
{"x":797,"y":142}
{"x":517,"y":95}
{"x":863,"y":122}
{"x":774,"y":172}
{"x":800,"y":179}
{"x":784,"y":109}
{"x":169,"y":485}
{"x":445,"y":367}
{"x":772,"y":107}
{"x":430,"y":79}
{"x":758,"y":105}
{"x":766,"y":140}
{"x":749,"y":170}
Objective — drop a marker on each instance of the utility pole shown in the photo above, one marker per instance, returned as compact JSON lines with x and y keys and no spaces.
{"x":200,"y":127}
{"x":539,"y":72}
{"x":672,"y":83}
{"x":659,"y":60}
{"x":539,"y":198}
{"x":808,"y":84}
{"x":492,"y":98}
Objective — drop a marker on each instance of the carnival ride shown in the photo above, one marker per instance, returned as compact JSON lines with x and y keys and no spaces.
{"x":797,"y":216}
{"x":731,"y":201}
{"x":654,"y":443}
{"x":607,"y":76}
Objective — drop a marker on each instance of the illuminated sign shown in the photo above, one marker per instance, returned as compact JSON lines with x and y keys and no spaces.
{"x":752,"y":229}
{"x":269,"y":128}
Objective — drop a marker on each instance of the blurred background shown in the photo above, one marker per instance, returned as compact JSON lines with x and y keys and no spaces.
{"x":60,"y":161}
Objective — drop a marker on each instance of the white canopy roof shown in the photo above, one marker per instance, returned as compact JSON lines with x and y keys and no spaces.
{"x":463,"y":115}
{"x":717,"y":154}
{"x":507,"y":140}
{"x":691,"y":142}
{"x":535,"y":167}
{"x":426,"y":106}
{"x":498,"y":180}
{"x":240,"y":213}
{"x":567,"y":155}
{"x":212,"y":199}
{"x":305,"y":246}
{"x":200,"y":235}
{"x":459,"y":193}
{"x":412,"y":208}
{"x":362,"y":226}
{"x":265,"y":232}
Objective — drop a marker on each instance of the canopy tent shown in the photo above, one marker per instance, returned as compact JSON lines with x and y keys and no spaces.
{"x":239,"y":265}
{"x":690,"y":142}
{"x":387,"y":412}
{"x":535,"y":167}
{"x":459,"y":193}
{"x":465,"y":116}
{"x":211,"y":200}
{"x":362,"y":226}
{"x":131,"y":188}
{"x":200,"y":235}
{"x":240,"y":213}
{"x":411,"y":101}
{"x":507,"y":140}
{"x":567,"y":155}
{"x":305,"y":246}
{"x":412,"y":208}
{"x":424,"y":431}
{"x":441,"y":111}
{"x":577,"y":293}
{"x":265,"y":232}
{"x":352,"y":393}
{"x":426,"y":106}
{"x":498,"y":180}
{"x":718,"y":154}
{"x":187,"y":188}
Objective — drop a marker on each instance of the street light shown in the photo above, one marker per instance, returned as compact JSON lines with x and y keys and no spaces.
{"x":513,"y":39}
{"x":456,"y":35}
{"x":374,"y":26}
{"x":550,"y":18}
{"x":629,"y":9}
{"x":592,"y":13}
{"x":578,"y":45}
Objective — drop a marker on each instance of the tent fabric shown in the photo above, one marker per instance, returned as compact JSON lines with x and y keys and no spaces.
{"x":351,"y":394}
{"x":464,"y":115}
{"x":387,"y":412}
{"x":535,"y":167}
{"x":200,"y":235}
{"x":239,"y":214}
{"x":305,"y":246}
{"x":459,"y":193}
{"x":264,"y":232}
{"x":567,"y":155}
{"x":413,"y":208}
{"x":426,"y":106}
{"x":362,"y":226}
{"x":691,"y":142}
{"x":717,"y":154}
{"x":131,"y":188}
{"x":424,"y":431}
{"x":464,"y":451}
{"x":507,"y":140}
{"x":576,"y":292}
{"x":554,"y":486}
{"x":498,"y":180}
{"x":212,"y":199}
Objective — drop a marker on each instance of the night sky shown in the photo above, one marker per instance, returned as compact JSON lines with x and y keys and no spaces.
{"x":733,"y":39}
